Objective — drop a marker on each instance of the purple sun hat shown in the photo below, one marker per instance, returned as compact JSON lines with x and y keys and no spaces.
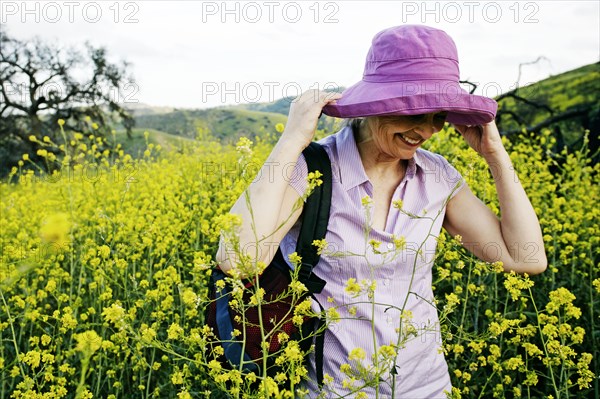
{"x":413,"y":69}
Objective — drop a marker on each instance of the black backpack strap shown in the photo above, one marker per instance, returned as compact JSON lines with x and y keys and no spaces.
{"x":314,"y":227}
{"x":315,"y":217}
{"x":319,"y":345}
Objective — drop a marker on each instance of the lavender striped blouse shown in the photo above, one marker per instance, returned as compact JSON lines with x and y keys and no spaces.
{"x":422,"y":371}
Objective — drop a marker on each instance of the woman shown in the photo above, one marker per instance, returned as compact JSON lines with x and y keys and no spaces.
{"x":409,"y":90}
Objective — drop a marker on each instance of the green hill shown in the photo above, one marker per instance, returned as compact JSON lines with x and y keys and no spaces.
{"x":567,"y":103}
{"x":226,"y":124}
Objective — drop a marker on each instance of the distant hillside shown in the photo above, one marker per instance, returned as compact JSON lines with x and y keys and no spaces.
{"x":222,"y":123}
{"x":227,"y":123}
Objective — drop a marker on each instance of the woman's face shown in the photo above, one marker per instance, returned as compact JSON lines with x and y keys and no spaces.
{"x":398,"y":137}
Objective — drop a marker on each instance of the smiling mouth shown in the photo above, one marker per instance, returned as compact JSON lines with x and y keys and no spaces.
{"x":410,"y":141}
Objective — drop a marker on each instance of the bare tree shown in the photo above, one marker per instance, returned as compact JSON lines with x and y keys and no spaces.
{"x":41,"y":83}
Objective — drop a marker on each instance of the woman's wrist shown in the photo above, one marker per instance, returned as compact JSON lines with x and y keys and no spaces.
{"x":499,"y":163}
{"x":496,"y":156}
{"x":294,"y":144}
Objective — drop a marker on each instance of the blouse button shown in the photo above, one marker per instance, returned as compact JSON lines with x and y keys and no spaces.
{"x":389,"y":319}
{"x":386,"y":282}
{"x":390,"y":246}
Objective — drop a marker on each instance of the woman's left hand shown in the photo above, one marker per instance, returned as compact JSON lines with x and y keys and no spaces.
{"x":484,"y":139}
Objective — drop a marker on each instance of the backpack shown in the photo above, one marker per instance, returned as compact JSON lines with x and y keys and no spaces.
{"x":275,"y":280}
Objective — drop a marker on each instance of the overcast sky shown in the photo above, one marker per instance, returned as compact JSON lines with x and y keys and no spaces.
{"x":198,"y":54}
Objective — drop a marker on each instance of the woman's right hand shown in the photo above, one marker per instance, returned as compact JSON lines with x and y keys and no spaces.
{"x":304,"y":115}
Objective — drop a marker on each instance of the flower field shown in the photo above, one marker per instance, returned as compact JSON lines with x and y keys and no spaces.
{"x":105,"y":267}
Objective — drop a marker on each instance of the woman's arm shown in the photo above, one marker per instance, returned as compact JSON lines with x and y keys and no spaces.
{"x":272,"y":199}
{"x":515,"y":238}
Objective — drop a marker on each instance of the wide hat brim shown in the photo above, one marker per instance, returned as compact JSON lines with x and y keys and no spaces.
{"x":411,"y":98}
